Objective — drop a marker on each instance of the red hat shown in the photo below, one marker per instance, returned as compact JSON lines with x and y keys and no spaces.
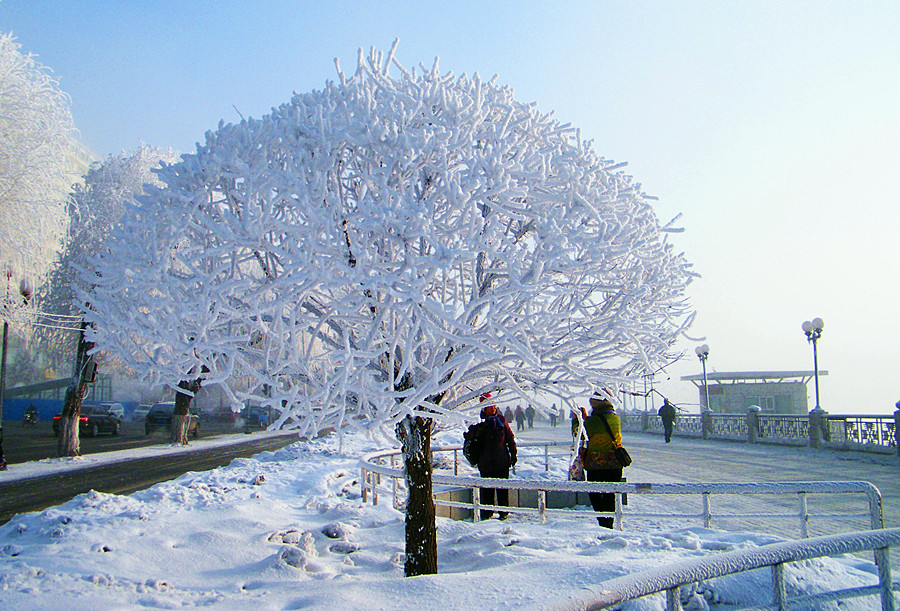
{"x":486,"y":396}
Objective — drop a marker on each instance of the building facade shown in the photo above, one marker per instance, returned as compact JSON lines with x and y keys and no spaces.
{"x":775,"y":392}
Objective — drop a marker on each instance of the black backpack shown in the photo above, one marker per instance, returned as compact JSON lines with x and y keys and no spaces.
{"x":472,"y":443}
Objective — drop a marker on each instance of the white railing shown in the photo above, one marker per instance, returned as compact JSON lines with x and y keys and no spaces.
{"x":866,"y":433}
{"x":614,"y":592}
{"x":388,"y":464}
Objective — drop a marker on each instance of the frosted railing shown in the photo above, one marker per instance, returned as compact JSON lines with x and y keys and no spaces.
{"x":669,"y":579}
{"x":389,"y":464}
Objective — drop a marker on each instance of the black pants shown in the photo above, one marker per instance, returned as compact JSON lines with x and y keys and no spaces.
{"x":604,"y":501}
{"x":667,"y":427}
{"x":488,"y":494}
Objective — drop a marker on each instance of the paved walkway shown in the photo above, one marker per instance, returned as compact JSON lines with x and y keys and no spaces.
{"x":699,"y":461}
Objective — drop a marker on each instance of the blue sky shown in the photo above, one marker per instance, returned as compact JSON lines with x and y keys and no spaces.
{"x":773,"y":127}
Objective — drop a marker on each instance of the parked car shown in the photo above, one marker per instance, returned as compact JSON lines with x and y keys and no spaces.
{"x":140,"y":412}
{"x":116,"y":409}
{"x":160,"y":418}
{"x":255,"y":416}
{"x":94,"y":419}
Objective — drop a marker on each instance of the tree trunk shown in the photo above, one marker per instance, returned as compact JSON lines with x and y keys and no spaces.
{"x":182,"y":407}
{"x":421,"y":533}
{"x":68,"y":443}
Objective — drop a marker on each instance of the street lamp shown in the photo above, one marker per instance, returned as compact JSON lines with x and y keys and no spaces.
{"x":26,"y":291}
{"x":703,"y":354}
{"x":813,"y":329}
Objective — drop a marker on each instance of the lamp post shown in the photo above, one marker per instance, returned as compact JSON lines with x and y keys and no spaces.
{"x":813,"y":330}
{"x":703,"y":354}
{"x":25,"y":291}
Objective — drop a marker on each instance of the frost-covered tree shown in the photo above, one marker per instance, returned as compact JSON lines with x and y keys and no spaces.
{"x":383,"y":251}
{"x":36,"y":137}
{"x":95,"y":206}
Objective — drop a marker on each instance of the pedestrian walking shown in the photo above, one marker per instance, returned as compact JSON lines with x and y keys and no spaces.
{"x":553,"y":416}
{"x":600,"y":461}
{"x":529,"y":415}
{"x":507,"y":413}
{"x":520,"y":418}
{"x":491,"y":446}
{"x":667,"y":413}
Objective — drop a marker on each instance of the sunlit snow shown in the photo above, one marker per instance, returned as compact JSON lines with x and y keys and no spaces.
{"x":288,"y":530}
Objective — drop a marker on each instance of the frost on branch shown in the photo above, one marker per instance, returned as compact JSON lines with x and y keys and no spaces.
{"x":398,"y":241}
{"x":36,"y":139}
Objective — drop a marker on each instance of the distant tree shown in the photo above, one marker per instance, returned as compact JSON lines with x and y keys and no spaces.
{"x":95,"y":206}
{"x":36,"y":137}
{"x":383,"y":251}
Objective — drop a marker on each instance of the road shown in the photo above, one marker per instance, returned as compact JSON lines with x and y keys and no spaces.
{"x":21,"y":444}
{"x":124,"y":477}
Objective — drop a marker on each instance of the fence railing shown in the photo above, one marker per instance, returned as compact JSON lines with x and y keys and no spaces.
{"x":817,"y":429}
{"x":389,"y":465}
{"x":614,"y":592}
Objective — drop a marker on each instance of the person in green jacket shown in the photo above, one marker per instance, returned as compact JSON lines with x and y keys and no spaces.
{"x":600,"y":462}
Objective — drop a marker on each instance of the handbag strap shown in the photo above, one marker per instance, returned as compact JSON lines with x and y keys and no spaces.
{"x":612,"y":437}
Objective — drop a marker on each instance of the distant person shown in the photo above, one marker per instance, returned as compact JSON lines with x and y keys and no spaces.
{"x":507,"y":413}
{"x":529,"y":415}
{"x":667,"y":413}
{"x":30,"y":417}
{"x":553,"y":416}
{"x":520,"y":418}
{"x":600,"y":462}
{"x":491,"y":446}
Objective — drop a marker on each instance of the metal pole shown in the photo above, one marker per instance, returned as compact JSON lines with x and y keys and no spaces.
{"x":2,"y":391}
{"x":705,"y":383}
{"x":816,"y":368}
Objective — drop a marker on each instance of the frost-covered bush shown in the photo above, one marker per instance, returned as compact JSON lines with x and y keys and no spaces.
{"x":398,"y":241}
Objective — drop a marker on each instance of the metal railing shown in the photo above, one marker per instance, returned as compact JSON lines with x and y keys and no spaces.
{"x":863,"y":431}
{"x":388,"y":464}
{"x":845,"y":432}
{"x":669,"y":580}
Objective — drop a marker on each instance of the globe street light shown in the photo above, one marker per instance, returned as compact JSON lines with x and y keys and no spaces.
{"x":703,"y":354}
{"x":813,"y":329}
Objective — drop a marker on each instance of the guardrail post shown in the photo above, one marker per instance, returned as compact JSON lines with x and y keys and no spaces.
{"x":706,"y":423}
{"x":804,"y":517}
{"x":455,"y":462}
{"x":362,"y":483}
{"x":897,"y":428}
{"x":707,"y":511}
{"x":476,"y":504}
{"x":673,"y":599}
{"x":816,"y":416}
{"x":547,"y":458}
{"x":779,"y":595}
{"x":645,"y":422}
{"x":753,"y":423}
{"x":542,"y":505}
{"x":885,"y":582}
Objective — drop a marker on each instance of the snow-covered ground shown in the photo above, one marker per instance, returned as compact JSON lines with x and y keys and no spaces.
{"x":288,"y":530}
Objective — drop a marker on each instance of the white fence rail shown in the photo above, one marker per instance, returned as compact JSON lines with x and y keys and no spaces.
{"x":865,"y":433}
{"x":388,"y":464}
{"x":610,"y":594}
